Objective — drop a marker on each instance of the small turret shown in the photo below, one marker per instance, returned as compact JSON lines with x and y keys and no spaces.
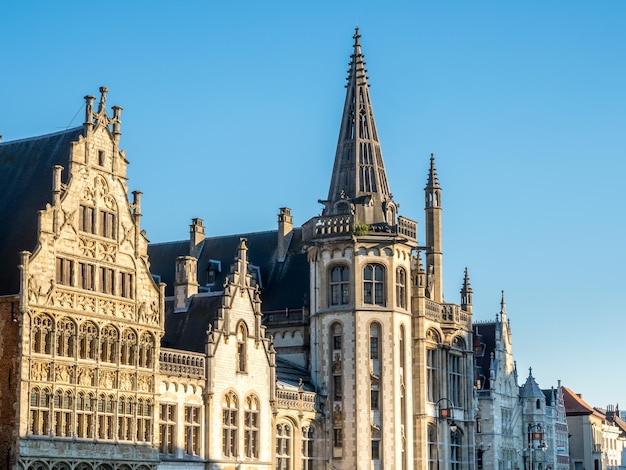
{"x":186,"y":281}
{"x":466,"y":293}
{"x":434,"y":261}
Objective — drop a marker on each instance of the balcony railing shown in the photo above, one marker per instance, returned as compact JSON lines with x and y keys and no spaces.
{"x":447,"y":313}
{"x":343,"y":225}
{"x":182,"y":363}
{"x":296,"y":400}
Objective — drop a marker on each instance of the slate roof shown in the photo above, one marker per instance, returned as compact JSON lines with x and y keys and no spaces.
{"x":288,"y":375}
{"x":530,"y":389}
{"x":187,"y":330}
{"x":25,"y":188}
{"x":284,"y":285}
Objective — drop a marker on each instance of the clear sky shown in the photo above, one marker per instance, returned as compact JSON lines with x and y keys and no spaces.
{"x":232,"y":110}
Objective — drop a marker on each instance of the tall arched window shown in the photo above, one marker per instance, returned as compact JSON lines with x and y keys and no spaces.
{"x":242,"y":339}
{"x":251,"y":427}
{"x":340,"y":285}
{"x":144,"y":420}
{"x":42,"y":334}
{"x":401,"y":288}
{"x":125,"y":414}
{"x":456,"y":379}
{"x":374,"y":284}
{"x":66,"y":337}
{"x":128,"y":348}
{"x":455,"y":450}
{"x":39,"y":411}
{"x":146,"y":350}
{"x":63,"y":407}
{"x":106,"y":415}
{"x":109,"y":339}
{"x":88,"y":341}
{"x":230,"y":408}
{"x":283,"y":446}
{"x":432,"y":447}
{"x":336,"y":391}
{"x":308,"y":447}
{"x":84,"y":415}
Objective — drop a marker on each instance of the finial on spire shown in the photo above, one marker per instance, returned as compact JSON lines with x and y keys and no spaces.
{"x":466,"y":293}
{"x":103,"y":98}
{"x":433,"y":180}
{"x":503,"y":304}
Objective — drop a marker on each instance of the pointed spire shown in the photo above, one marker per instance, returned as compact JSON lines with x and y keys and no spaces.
{"x":433,"y":181}
{"x":359,"y":181}
{"x":466,"y":293}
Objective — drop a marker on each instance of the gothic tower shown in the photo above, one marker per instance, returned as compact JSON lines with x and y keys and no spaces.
{"x":360,"y":255}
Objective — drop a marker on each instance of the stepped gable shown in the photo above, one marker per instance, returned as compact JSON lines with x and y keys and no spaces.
{"x":26,"y":188}
{"x":283,"y":285}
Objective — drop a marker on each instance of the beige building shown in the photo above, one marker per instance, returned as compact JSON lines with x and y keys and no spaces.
{"x":323,"y":346}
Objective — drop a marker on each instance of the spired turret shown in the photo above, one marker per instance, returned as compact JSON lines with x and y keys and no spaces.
{"x":359,"y":181}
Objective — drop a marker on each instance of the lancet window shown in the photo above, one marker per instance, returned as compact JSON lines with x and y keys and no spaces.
{"x":146,"y":350}
{"x":109,"y":339}
{"x":84,"y":415}
{"x":191,"y":444}
{"x":106,"y":416}
{"x":242,"y":339}
{"x":340,"y":285}
{"x":144,"y":420}
{"x":401,"y":288}
{"x":374,"y":284}
{"x":125,"y":415}
{"x":128,"y":349}
{"x":42,"y":334}
{"x":63,"y":407}
{"x":455,"y":450}
{"x":39,"y":411}
{"x":308,"y":447}
{"x":251,"y":427}
{"x":66,"y":338}
{"x":230,"y":409}
{"x":283,"y":446}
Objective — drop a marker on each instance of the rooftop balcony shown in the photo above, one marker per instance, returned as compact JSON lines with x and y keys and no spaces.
{"x":182,"y":363}
{"x":338,"y":226}
{"x":448,"y":313}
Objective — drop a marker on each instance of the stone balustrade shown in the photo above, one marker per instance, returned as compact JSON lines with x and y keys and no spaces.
{"x":296,"y":400}
{"x":179,"y":363}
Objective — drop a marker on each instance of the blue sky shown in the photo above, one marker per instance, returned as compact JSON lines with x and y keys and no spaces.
{"x":232,"y":110}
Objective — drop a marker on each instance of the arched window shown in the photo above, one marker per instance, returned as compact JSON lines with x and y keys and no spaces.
{"x":84,"y":415}
{"x":128,"y":348}
{"x":374,"y":284}
{"x":109,"y":339}
{"x":146,"y":350}
{"x":39,"y":411}
{"x":230,"y":408}
{"x":336,"y":360}
{"x":66,"y":337}
{"x":538,"y":404}
{"x":88,"y":341}
{"x":432,"y":374}
{"x":456,"y":379}
{"x":376,"y":448}
{"x":375,"y":341}
{"x":144,"y":420}
{"x":339,"y":285}
{"x":125,"y":414}
{"x":251,"y":427}
{"x":455,"y":450}
{"x":42,"y":334}
{"x":106,"y":414}
{"x":242,"y":339}
{"x":432,"y":447}
{"x":283,"y":446}
{"x":308,"y":447}
{"x":401,"y":288}
{"x":63,"y":407}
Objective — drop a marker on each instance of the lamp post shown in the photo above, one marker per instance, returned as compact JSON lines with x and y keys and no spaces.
{"x":445,"y":414}
{"x":535,"y":434}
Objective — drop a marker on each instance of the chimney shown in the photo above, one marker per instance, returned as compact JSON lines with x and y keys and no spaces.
{"x":186,"y":282}
{"x":285,"y":232}
{"x":196,"y":237}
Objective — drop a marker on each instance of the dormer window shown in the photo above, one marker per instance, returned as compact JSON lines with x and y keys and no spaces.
{"x":215,"y":267}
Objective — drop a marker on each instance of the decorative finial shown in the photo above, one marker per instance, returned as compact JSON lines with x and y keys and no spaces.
{"x":103,"y":98}
{"x":503,"y":304}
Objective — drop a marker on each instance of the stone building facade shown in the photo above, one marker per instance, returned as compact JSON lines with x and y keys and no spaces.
{"x":323,"y":346}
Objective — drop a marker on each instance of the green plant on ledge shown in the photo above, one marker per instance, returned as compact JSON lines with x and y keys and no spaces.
{"x":360,"y":229}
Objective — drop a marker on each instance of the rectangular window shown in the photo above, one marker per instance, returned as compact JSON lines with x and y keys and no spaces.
{"x":107,"y":280}
{"x":336,"y":342}
{"x":65,"y":272}
{"x":455,"y":379}
{"x":374,"y":399}
{"x":431,"y":375}
{"x":101,"y":157}
{"x":192,"y":430}
{"x":86,"y":276}
{"x":337,"y":437}
{"x":375,"y":449}
{"x":86,"y":219}
{"x":373,"y":347}
{"x":126,"y":285}
{"x":167,"y":426}
{"x":107,"y":225}
{"x":337,"y":391}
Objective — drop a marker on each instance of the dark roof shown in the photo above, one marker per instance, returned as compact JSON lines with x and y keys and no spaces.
{"x":289,"y":374}
{"x":25,"y":189}
{"x":187,"y":330}
{"x":284,"y":284}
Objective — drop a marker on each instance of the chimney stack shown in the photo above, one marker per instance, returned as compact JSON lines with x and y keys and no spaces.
{"x":285,"y":231}
{"x":186,"y":281}
{"x":196,"y":237}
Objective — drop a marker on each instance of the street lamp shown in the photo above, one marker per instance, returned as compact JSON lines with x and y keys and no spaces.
{"x":535,"y":434}
{"x":445,"y":413}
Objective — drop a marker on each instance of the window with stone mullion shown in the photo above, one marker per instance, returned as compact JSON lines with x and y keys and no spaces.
{"x":339,"y":285}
